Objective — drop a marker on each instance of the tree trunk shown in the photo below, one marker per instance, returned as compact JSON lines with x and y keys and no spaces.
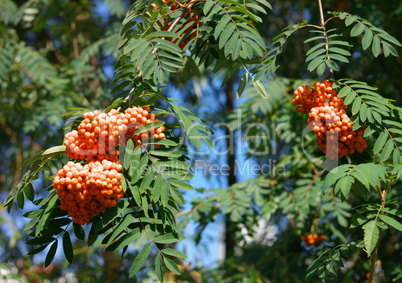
{"x":230,"y":227}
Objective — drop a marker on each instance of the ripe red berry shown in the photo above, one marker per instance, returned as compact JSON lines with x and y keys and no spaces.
{"x":328,"y":120}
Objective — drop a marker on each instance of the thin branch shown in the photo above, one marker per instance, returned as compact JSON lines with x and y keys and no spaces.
{"x":323,"y":22}
{"x":171,"y":27}
{"x":374,"y":254}
{"x":74,"y":39}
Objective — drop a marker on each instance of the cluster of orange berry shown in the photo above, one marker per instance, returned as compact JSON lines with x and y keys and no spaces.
{"x":87,"y":190}
{"x":328,"y":120}
{"x":192,"y":22}
{"x":98,"y":135}
{"x":312,"y":239}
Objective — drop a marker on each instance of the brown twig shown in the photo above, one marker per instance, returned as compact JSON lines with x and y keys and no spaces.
{"x":74,"y":40}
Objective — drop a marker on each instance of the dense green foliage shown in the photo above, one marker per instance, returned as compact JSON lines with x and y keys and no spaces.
{"x":55,"y":59}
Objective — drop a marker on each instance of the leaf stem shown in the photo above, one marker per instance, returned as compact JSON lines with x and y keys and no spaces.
{"x":374,"y":255}
{"x":323,"y":22}
{"x":373,"y":259}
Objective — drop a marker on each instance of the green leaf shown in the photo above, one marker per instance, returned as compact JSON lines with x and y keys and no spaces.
{"x":260,"y":88}
{"x":208,"y":5}
{"x":125,"y":240}
{"x":180,"y":184}
{"x":314,"y":38}
{"x":148,"y":127}
{"x":79,"y":231}
{"x":356,"y":106}
{"x":176,"y":164}
{"x":389,"y":38}
{"x":393,"y":211}
{"x":29,"y":192}
{"x":339,"y":58}
{"x":169,"y":238}
{"x":176,"y":195}
{"x":157,"y":189}
{"x":50,"y":204}
{"x":386,"y":152}
{"x":350,"y":20}
{"x":266,"y":3}
{"x":314,"y":48}
{"x":357,"y":29}
{"x":391,"y":222}
{"x":165,"y":142}
{"x":226,"y":34}
{"x":221,"y":25}
{"x":171,"y":265}
{"x":315,"y":54}
{"x":37,"y":250}
{"x":162,"y":33}
{"x":51,"y":253}
{"x":140,"y":259}
{"x":315,"y":63}
{"x":174,"y":253}
{"x":379,"y":144}
{"x":145,"y":204}
{"x":166,"y":153}
{"x":345,"y":185}
{"x":339,"y":51}
{"x":54,"y":151}
{"x":128,"y":219}
{"x":321,"y":68}
{"x":146,"y":181}
{"x":388,"y":49}
{"x":137,"y":170}
{"x":168,"y":46}
{"x":367,"y":38}
{"x":349,"y":99}
{"x":30,"y":175}
{"x":68,"y":247}
{"x":363,"y":112}
{"x":341,"y":43}
{"x":371,"y":236}
{"x":377,"y":117}
{"x":21,"y":200}
{"x":131,"y":154}
{"x":40,"y":240}
{"x":136,"y":194}
{"x":376,"y":46}
{"x":242,"y":84}
{"x":158,"y":267}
